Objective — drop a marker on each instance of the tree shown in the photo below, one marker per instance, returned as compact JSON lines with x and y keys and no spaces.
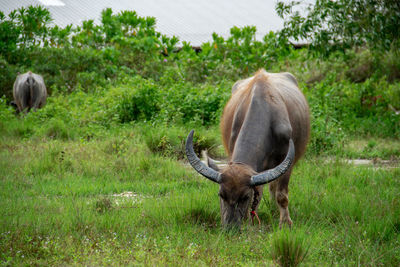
{"x":331,"y":25}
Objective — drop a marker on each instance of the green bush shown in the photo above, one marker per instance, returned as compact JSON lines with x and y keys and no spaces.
{"x":326,"y":135}
{"x":169,"y":141}
{"x":141,"y":99}
{"x":65,"y":67}
{"x":136,"y":99}
{"x":187,"y":102}
{"x":8,"y":74}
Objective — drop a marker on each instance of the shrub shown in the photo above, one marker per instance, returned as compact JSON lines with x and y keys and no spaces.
{"x":326,"y":135}
{"x":137,"y":99}
{"x":169,"y":141}
{"x":165,"y":141}
{"x":8,"y":74}
{"x":186,"y":102}
{"x":6,"y":113}
{"x":66,"y":67}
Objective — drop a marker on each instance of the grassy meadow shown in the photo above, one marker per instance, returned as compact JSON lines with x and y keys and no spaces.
{"x":98,"y":177}
{"x":112,"y":201}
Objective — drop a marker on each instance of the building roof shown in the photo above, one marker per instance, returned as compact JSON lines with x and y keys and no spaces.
{"x":191,"y":21}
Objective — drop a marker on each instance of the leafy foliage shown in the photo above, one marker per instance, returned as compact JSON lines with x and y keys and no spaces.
{"x":124,"y":71}
{"x":340,"y":25}
{"x":25,"y":28}
{"x":125,"y":42}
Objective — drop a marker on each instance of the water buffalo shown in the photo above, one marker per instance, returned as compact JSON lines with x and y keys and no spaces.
{"x":29,"y":92}
{"x":265,"y":129}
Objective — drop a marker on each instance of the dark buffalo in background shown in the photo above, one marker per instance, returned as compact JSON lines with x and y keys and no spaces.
{"x":29,"y":92}
{"x":265,"y":129}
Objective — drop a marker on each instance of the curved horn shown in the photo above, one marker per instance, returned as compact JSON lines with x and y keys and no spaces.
{"x":196,"y":163}
{"x":273,"y":174}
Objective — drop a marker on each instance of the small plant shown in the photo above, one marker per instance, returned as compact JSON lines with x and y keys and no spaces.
{"x":289,"y":248}
{"x":103,"y":205}
{"x":167,"y":142}
{"x":117,"y":146}
{"x":371,"y":144}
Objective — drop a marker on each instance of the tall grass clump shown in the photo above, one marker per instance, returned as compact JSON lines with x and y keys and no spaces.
{"x":289,"y":248}
{"x":57,"y":129}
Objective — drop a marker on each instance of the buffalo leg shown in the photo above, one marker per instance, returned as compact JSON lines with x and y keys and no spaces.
{"x":279,"y":190}
{"x":25,"y":103}
{"x":272,"y":189}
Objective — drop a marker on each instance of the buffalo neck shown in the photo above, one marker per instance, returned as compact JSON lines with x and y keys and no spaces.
{"x":251,"y":146}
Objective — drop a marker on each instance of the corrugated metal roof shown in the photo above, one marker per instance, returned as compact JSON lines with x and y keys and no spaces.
{"x":192,"y":21}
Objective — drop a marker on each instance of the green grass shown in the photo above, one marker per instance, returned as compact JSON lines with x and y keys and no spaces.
{"x":289,"y":248}
{"x":58,"y":208}
{"x":373,"y":148}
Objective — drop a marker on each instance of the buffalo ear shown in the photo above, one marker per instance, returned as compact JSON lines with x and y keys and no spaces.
{"x":210,"y":162}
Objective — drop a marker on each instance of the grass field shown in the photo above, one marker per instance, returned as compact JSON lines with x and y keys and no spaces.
{"x":111,"y":200}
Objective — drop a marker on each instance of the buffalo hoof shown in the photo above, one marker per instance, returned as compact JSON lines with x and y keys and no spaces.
{"x":286,"y":221}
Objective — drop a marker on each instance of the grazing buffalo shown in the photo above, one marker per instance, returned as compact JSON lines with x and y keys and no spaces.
{"x":29,"y":92}
{"x":265,"y":128}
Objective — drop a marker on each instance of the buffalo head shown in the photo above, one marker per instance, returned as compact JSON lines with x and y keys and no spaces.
{"x":237,"y":182}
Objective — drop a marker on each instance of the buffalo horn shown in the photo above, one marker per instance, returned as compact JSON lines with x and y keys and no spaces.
{"x":196,"y":163}
{"x":273,"y":174}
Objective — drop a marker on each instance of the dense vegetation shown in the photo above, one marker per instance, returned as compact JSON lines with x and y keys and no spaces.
{"x":339,"y":25}
{"x":122,"y":98}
